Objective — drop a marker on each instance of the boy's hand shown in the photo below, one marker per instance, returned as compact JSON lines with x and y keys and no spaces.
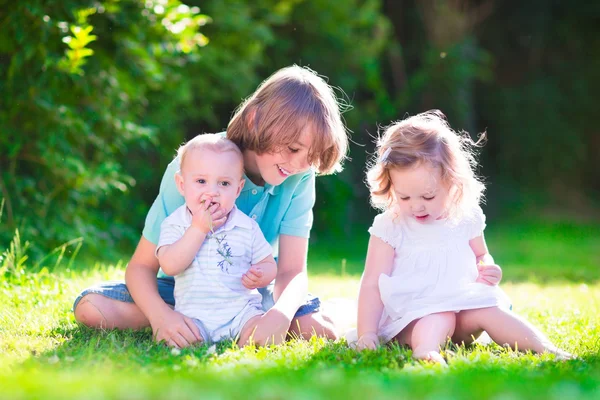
{"x":489,"y":274}
{"x":259,"y":275}
{"x":368,"y":341}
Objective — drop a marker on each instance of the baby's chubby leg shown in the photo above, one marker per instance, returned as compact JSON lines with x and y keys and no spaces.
{"x":504,"y":327}
{"x":425,"y":335}
{"x":248,"y":331}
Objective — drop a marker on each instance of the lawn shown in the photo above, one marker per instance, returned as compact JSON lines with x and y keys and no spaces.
{"x":552,"y":274}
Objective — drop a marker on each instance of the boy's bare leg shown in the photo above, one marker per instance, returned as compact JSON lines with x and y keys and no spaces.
{"x":315,"y":323}
{"x":426,"y":335}
{"x":97,"y":311}
{"x":504,"y":327}
{"x":301,"y":327}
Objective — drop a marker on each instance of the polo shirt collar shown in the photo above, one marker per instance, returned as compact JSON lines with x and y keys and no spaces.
{"x":236,"y":218}
{"x":270,"y":189}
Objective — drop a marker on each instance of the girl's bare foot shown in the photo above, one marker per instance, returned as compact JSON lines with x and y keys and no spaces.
{"x":559,"y":354}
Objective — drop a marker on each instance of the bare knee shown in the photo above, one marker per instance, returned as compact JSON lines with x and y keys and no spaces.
{"x":313,"y":324}
{"x":446,"y":322}
{"x":470,"y":324}
{"x":432,"y":330}
{"x":97,"y":311}
{"x":88,"y":312}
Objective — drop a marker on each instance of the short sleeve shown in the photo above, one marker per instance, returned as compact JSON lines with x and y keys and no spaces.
{"x":385,"y":229}
{"x":260,"y":247}
{"x":167,"y":201}
{"x":476,"y":223}
{"x":169,"y":234}
{"x":298,"y":218}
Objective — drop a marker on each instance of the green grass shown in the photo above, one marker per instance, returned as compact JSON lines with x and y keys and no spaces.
{"x":551,"y":273}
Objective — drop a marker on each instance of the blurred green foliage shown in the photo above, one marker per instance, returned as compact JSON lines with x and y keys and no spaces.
{"x":97,"y":95}
{"x":75,"y":118}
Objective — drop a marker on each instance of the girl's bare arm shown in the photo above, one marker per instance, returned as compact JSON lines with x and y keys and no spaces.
{"x":380,"y":259}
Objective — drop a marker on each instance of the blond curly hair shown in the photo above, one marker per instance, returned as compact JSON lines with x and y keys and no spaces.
{"x":426,"y":138}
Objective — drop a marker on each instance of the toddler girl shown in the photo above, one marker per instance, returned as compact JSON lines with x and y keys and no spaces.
{"x":428,"y":274}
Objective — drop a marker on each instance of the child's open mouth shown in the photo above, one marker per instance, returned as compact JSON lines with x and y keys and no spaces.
{"x":421,"y":217}
{"x":283,"y":172}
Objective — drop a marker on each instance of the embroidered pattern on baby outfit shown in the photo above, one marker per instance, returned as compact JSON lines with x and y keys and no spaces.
{"x":224,"y":250}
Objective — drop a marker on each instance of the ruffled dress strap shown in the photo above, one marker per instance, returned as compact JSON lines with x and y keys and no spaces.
{"x":386,"y":229}
{"x":476,"y":222}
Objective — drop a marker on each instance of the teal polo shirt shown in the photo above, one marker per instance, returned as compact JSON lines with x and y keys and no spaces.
{"x":284,"y":209}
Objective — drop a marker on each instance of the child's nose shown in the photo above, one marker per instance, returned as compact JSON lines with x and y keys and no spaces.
{"x":213,"y":190}
{"x":418,"y":207}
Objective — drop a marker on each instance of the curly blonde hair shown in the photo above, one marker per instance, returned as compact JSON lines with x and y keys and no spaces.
{"x":428,"y":138}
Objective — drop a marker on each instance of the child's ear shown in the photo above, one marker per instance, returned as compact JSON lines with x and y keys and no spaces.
{"x":179,"y":183}
{"x":240,"y":187}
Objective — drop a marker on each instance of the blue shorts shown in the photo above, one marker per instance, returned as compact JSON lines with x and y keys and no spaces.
{"x":117,"y":290}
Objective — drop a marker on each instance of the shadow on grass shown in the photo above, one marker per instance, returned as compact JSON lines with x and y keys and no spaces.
{"x":128,"y":350}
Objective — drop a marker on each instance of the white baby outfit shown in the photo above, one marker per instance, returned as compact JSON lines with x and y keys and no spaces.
{"x":210,"y":290}
{"x":434,"y":270}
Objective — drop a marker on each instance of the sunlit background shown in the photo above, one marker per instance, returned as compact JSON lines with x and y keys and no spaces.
{"x":97,"y":95}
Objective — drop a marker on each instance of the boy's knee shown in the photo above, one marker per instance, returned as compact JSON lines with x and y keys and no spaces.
{"x":88,"y":314}
{"x":313,"y":324}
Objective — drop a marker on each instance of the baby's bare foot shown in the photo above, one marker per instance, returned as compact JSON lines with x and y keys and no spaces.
{"x":430,"y":356}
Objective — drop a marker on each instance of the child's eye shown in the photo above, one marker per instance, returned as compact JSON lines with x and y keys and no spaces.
{"x":404,"y":198}
{"x":429,"y":198}
{"x":292,"y":150}
{"x":225,"y":183}
{"x":202,"y":181}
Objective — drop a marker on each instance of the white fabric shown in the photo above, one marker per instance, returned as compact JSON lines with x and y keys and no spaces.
{"x":211,"y":289}
{"x":434,"y":269}
{"x":230,"y":329}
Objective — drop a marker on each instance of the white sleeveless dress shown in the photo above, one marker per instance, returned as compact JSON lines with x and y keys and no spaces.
{"x":434,"y":270}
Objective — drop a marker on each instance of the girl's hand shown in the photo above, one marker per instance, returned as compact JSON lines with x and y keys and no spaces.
{"x":368,"y":341}
{"x":489,"y":274}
